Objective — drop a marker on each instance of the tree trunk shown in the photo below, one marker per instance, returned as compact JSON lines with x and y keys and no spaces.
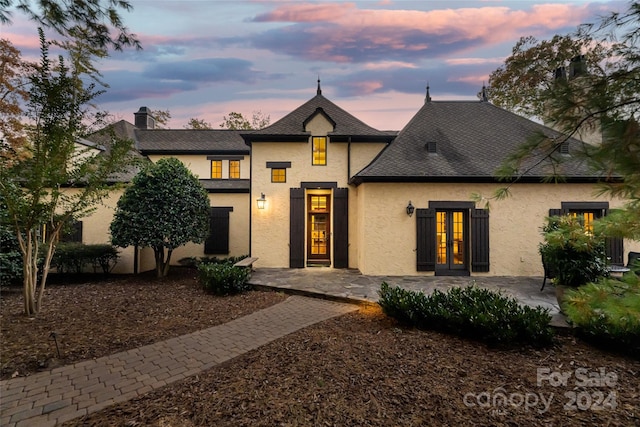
{"x":167,"y":263}
{"x":158,"y":251}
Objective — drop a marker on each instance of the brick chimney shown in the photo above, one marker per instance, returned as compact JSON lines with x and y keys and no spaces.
{"x":144,"y":119}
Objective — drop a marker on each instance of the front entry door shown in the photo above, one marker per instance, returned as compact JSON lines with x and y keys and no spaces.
{"x":451,"y":242}
{"x":318,"y":226}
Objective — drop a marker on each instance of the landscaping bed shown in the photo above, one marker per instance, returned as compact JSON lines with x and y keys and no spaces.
{"x":359,"y":369}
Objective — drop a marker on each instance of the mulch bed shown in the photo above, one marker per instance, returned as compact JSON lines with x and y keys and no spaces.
{"x":361,"y":369}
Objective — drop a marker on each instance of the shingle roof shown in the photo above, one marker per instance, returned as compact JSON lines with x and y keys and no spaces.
{"x":292,"y":125}
{"x":472,"y":138}
{"x":226,"y":185}
{"x":190,"y":141}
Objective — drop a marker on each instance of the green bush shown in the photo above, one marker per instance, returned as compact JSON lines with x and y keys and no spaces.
{"x":10,"y":255}
{"x":574,"y":255}
{"x":607,"y":313}
{"x":76,"y":257}
{"x":470,"y":312}
{"x":224,"y":278}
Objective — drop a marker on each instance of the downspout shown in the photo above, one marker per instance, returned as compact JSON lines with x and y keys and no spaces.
{"x":250,"y":196}
{"x":349,"y":160}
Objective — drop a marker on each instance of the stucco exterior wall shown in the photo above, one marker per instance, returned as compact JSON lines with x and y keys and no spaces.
{"x":362,"y":154}
{"x":270,"y":226}
{"x":387,"y":235}
{"x":95,"y":230}
{"x":238,"y":228}
{"x":201,"y":167}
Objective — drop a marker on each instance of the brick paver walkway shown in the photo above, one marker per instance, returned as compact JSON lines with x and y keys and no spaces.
{"x":64,"y":393}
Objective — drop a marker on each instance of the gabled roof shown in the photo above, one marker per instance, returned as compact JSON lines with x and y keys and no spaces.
{"x":190,"y":141}
{"x":471,"y":138}
{"x":292,"y":126}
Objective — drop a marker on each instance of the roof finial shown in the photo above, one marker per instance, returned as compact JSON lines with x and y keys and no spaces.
{"x":428,"y":98}
{"x":483,"y":94}
{"x":319,"y":90}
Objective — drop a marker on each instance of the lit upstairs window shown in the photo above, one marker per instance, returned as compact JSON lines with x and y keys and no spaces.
{"x":216,"y":169}
{"x":234,"y":169}
{"x":319,"y":151}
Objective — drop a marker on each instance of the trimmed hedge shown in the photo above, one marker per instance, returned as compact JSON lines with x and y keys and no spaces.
{"x":222,"y":278}
{"x":76,"y":257}
{"x":469,"y":312}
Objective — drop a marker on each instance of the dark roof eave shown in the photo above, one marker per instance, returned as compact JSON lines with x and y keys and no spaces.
{"x":357,"y":180}
{"x":249,"y":138}
{"x":212,"y":152}
{"x":362,"y":138}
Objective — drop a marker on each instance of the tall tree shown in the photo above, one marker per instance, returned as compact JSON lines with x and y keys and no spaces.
{"x":197,"y":124}
{"x":99,"y":20}
{"x":236,"y":121}
{"x":164,"y":208}
{"x":53,"y":181}
{"x":14,"y":93}
{"x":598,"y":92}
{"x":161,"y":117}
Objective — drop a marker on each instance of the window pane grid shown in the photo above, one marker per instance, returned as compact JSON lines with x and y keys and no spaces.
{"x":441,"y":237}
{"x":319,"y":151}
{"x":278,"y":175}
{"x":234,"y":169}
{"x":216,"y":169}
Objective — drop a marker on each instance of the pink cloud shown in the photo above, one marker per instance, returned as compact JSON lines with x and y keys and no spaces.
{"x":385,"y":65}
{"x":407,"y":29}
{"x":308,"y":12}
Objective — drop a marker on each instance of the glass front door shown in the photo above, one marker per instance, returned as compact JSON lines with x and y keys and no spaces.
{"x":318,"y":226}
{"x":451,"y":240}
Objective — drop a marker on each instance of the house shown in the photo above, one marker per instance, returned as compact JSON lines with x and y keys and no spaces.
{"x":321,"y":188}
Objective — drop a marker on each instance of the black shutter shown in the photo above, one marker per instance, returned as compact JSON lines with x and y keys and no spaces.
{"x":480,"y":240}
{"x":71,"y":232}
{"x":426,"y":240}
{"x":614,"y":247}
{"x":218,"y":241}
{"x":341,"y":228}
{"x":555,"y":212}
{"x":296,"y":228}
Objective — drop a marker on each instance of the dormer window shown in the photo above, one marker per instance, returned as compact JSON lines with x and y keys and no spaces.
{"x":432,"y":147}
{"x":319,"y":151}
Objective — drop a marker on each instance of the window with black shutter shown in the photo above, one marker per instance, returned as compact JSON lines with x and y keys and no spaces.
{"x":217,"y":242}
{"x":588,"y":212}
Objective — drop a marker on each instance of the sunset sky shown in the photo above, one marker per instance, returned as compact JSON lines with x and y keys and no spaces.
{"x":207,"y":58}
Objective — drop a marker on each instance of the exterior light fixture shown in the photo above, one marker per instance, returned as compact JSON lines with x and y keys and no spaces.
{"x":261,"y":201}
{"x":410,"y":209}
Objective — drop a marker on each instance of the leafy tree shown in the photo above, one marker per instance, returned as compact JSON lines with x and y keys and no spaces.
{"x":14,"y":93}
{"x":161,"y":117}
{"x":52,"y":181}
{"x":198,"y":124}
{"x":601,"y":96}
{"x":164,"y":208}
{"x":236,"y":121}
{"x":100,"y":21}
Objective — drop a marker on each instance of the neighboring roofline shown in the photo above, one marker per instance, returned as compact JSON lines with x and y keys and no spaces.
{"x":357,"y":180}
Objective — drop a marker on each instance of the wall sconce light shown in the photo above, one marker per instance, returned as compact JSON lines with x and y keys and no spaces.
{"x":261,"y":201}
{"x":410,"y":209}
